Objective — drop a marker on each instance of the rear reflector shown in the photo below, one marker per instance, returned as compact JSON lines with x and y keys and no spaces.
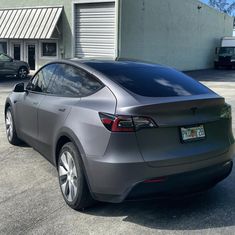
{"x":123,"y":123}
{"x":157,"y":180}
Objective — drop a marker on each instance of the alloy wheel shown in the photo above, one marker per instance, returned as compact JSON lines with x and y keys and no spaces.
{"x":9,"y":125}
{"x":68,"y":176}
{"x":22,"y":73}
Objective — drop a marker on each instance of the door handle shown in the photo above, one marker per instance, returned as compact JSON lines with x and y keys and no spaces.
{"x":61,"y":110}
{"x":35,"y":103}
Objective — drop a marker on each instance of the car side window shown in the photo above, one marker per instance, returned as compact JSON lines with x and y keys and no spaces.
{"x":42,"y":79}
{"x":74,"y":82}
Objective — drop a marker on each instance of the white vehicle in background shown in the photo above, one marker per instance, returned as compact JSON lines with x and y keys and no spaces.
{"x":225,"y":54}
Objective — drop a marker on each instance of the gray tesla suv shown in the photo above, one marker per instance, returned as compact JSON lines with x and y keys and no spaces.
{"x":120,"y":130}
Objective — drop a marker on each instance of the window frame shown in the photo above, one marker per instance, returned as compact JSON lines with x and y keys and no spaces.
{"x":83,"y":70}
{"x":53,"y":78}
{"x":41,"y":56}
{"x":30,"y":81}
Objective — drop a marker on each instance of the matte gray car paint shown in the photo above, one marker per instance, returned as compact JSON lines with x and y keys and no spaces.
{"x":115,"y":162}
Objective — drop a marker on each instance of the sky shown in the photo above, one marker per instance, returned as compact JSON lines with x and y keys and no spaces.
{"x":206,"y":1}
{"x":229,"y":1}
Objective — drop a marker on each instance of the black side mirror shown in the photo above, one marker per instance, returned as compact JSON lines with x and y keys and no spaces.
{"x":19,"y":87}
{"x":217,"y":50}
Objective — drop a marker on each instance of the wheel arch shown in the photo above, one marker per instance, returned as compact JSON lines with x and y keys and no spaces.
{"x":65,"y":136}
{"x":8,"y":104}
{"x":23,"y":66}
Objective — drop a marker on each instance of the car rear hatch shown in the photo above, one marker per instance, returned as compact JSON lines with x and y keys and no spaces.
{"x":200,"y":117}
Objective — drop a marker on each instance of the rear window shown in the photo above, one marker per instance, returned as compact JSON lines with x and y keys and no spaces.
{"x":150,"y":80}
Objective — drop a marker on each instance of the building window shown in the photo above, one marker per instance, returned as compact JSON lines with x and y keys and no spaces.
{"x":49,"y":49}
{"x":3,"y":47}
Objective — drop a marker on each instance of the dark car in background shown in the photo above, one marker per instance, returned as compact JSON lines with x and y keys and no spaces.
{"x":120,"y":130}
{"x":13,"y":68}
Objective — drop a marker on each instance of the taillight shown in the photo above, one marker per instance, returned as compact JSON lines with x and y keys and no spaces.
{"x":226,"y":111}
{"x":123,"y":123}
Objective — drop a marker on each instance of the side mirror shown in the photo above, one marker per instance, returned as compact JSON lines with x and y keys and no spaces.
{"x":19,"y":87}
{"x":217,"y":50}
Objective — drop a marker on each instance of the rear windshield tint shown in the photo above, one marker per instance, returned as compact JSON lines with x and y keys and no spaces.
{"x":150,"y":80}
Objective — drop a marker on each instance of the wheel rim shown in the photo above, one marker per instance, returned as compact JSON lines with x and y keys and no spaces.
{"x":22,"y":73}
{"x":9,"y":125}
{"x":68,"y":176}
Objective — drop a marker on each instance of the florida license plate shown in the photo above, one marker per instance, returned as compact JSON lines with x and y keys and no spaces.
{"x":193,"y":133}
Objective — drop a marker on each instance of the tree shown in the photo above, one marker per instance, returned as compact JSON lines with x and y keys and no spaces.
{"x":223,"y":5}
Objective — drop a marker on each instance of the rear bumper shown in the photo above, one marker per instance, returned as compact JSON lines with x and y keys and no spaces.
{"x":184,"y":183}
{"x":112,"y":181}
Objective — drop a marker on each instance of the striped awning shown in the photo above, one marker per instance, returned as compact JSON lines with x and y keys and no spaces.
{"x":29,"y":23}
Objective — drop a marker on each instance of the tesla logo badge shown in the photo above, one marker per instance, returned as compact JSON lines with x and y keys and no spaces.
{"x":194,"y":109}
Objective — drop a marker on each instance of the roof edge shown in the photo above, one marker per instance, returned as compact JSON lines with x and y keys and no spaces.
{"x":31,"y":7}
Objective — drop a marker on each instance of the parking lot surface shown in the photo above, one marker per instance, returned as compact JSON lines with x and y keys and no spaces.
{"x":31,"y":202}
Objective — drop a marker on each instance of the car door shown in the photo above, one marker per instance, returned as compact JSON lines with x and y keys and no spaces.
{"x":54,"y":111}
{"x":27,"y":107}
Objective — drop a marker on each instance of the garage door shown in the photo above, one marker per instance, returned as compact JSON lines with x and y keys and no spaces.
{"x":95,"y":30}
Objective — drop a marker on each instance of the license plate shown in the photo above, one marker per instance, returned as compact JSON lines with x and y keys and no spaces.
{"x":192,"y":133}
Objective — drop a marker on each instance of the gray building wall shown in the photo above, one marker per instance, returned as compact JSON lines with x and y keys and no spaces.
{"x":178,"y":33}
{"x":170,"y":32}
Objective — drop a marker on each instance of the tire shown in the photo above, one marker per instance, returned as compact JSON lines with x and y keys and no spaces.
{"x":72,"y":180}
{"x":216,"y":66}
{"x":22,"y":73}
{"x":10,"y":128}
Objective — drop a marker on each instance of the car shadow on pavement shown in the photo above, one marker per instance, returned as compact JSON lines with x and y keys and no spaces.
{"x":13,"y":80}
{"x":221,"y":75}
{"x":212,"y":209}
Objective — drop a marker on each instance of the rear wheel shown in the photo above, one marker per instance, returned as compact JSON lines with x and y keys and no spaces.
{"x":22,"y":73}
{"x":216,"y":65}
{"x":72,"y":181}
{"x":10,"y":128}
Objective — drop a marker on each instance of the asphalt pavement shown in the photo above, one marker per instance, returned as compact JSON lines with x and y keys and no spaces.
{"x":31,"y":202}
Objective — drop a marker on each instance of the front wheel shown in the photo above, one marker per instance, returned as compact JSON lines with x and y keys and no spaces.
{"x":72,"y":181}
{"x":216,"y":65}
{"x":10,"y":128}
{"x":22,"y":73}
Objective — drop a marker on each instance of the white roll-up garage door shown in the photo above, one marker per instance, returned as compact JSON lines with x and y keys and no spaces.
{"x":95,"y":30}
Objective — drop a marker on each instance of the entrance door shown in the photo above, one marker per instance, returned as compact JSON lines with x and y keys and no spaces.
{"x":17,"y":51}
{"x":31,"y":54}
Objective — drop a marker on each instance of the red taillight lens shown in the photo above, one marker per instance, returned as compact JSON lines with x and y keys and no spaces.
{"x":117,"y":123}
{"x":122,"y":123}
